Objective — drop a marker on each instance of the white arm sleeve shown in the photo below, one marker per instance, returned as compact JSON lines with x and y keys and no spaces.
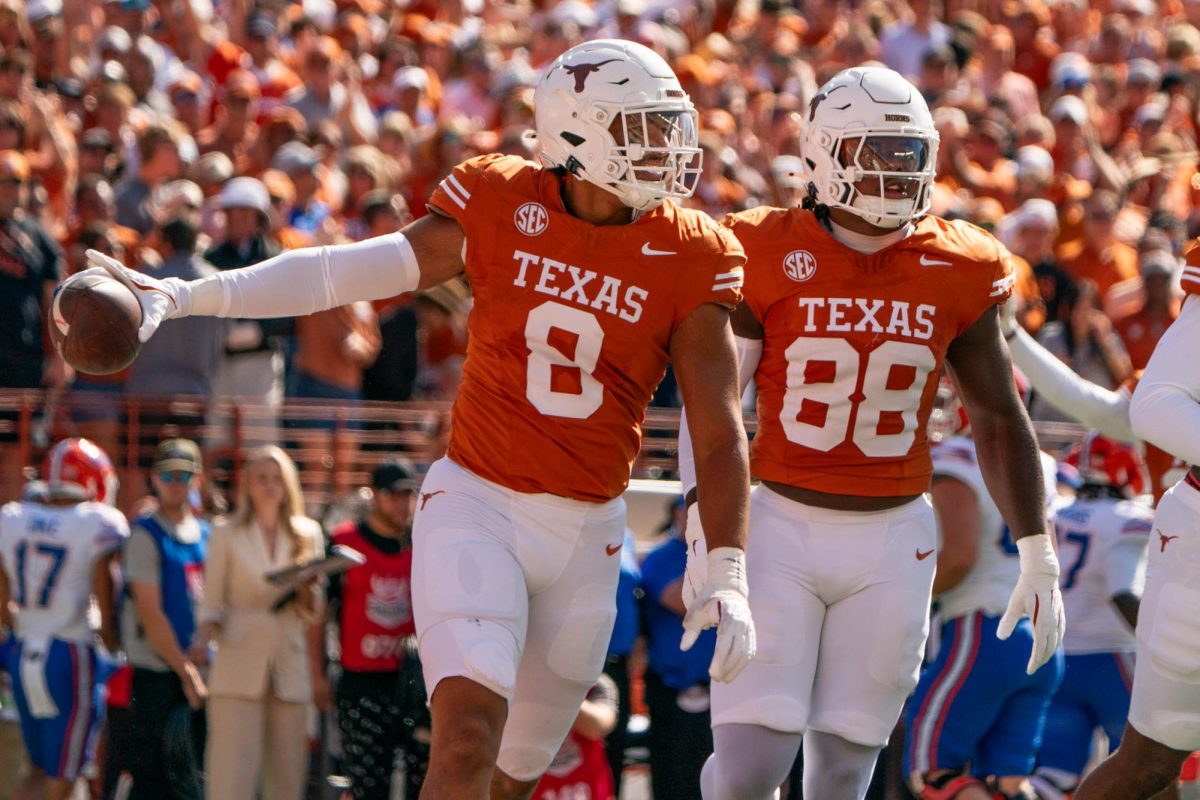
{"x":1166,"y":404}
{"x":1103,"y":409}
{"x":308,"y":280}
{"x":749,"y":353}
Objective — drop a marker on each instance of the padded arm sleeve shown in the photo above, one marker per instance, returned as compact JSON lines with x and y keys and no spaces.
{"x":749,"y":353}
{"x":1105,"y":410}
{"x":311,"y":279}
{"x":1166,"y":404}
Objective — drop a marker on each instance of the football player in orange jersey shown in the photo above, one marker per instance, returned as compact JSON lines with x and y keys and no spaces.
{"x":852,"y":304}
{"x":1164,"y":713}
{"x":588,"y":279}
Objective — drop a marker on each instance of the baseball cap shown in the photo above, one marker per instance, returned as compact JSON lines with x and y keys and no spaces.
{"x":1034,"y":162}
{"x":97,"y":137}
{"x":1144,"y":71}
{"x":410,"y":78}
{"x":394,"y":476}
{"x":37,"y":10}
{"x":244,"y":193}
{"x":1069,"y":107}
{"x":1157,"y":262}
{"x":177,"y":455}
{"x":294,"y":158}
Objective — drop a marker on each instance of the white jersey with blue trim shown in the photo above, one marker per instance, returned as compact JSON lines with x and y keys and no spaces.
{"x":1102,"y":549}
{"x":49,"y":553}
{"x":990,"y":582}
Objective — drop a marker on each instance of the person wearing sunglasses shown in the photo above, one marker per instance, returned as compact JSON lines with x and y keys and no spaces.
{"x":164,"y":567}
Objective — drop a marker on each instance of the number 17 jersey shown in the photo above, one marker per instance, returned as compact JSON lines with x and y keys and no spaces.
{"x":854,"y":344}
{"x":571,"y":325}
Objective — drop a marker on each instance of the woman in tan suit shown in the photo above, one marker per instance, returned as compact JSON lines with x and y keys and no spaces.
{"x":260,"y":684}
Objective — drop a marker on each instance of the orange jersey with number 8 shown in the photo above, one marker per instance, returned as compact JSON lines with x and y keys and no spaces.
{"x":854,"y":344}
{"x":570,"y":327}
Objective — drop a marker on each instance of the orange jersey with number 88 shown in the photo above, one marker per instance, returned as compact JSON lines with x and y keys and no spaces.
{"x":854,"y":344}
{"x":570,"y":327}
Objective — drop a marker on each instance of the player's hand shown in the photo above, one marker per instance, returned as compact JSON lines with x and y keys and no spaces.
{"x":696,"y":571}
{"x":160,"y":299}
{"x":722,"y":602}
{"x":1038,"y":597}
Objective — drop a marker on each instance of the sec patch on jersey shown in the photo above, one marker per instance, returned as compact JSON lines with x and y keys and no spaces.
{"x":93,"y":324}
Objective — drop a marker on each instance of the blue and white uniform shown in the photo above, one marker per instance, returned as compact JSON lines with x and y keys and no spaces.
{"x":49,"y":554}
{"x":974,"y":705}
{"x":1102,"y":547}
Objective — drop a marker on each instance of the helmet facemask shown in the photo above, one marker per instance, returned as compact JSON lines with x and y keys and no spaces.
{"x":654,"y":154}
{"x":884,"y":176}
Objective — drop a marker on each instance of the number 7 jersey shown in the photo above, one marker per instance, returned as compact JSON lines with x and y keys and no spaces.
{"x":854,"y":344}
{"x":571,"y":325}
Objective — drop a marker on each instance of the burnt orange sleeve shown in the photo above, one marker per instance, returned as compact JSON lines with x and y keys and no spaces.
{"x":718,"y":274}
{"x":991,"y":284}
{"x":459,"y":195}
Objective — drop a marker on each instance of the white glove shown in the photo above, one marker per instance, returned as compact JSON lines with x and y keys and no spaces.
{"x":160,"y":299}
{"x":722,"y":602}
{"x":696,"y":571}
{"x":1038,"y":597}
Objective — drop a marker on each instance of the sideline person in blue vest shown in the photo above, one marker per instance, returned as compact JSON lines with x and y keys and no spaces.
{"x":164,"y":576}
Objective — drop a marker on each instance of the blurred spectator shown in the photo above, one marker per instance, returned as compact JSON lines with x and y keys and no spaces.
{"x":31,"y":264}
{"x":164,"y":575}
{"x":252,"y":368}
{"x":1097,"y":255}
{"x":233,"y":130}
{"x":332,"y":349}
{"x":184,"y":357}
{"x":904,"y":43}
{"x":158,"y":162}
{"x":261,"y":683}
{"x":442,"y":335}
{"x":579,"y":768}
{"x":1084,"y":338}
{"x":96,"y":205}
{"x":372,"y":607}
{"x":676,"y":681}
{"x":1141,"y":330}
{"x":322,"y":95}
{"x":299,"y":162}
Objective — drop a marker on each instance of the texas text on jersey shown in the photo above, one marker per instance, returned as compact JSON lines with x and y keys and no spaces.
{"x":544,"y":404}
{"x":869,"y":328}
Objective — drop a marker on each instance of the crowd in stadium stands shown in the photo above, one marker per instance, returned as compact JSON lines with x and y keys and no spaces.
{"x":186,"y":136}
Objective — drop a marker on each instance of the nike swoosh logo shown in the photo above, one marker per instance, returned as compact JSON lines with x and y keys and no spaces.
{"x":647,"y":250}
{"x":922,"y":556}
{"x":926,"y":261}
{"x":612,"y":549}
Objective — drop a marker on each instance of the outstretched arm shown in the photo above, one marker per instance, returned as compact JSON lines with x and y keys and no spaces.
{"x":1166,"y":404}
{"x":298,"y":282}
{"x":1093,"y":405}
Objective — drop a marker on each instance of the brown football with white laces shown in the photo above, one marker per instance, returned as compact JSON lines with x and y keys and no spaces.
{"x":94,"y":322}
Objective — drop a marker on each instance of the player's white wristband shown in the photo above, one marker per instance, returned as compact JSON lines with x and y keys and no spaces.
{"x":727,"y":570}
{"x":1037,"y":555}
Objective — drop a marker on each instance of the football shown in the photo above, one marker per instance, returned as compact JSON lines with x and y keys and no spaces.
{"x":93,"y":324}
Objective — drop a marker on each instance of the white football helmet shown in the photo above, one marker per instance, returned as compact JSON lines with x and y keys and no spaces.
{"x":870,"y":123}
{"x":612,"y":113}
